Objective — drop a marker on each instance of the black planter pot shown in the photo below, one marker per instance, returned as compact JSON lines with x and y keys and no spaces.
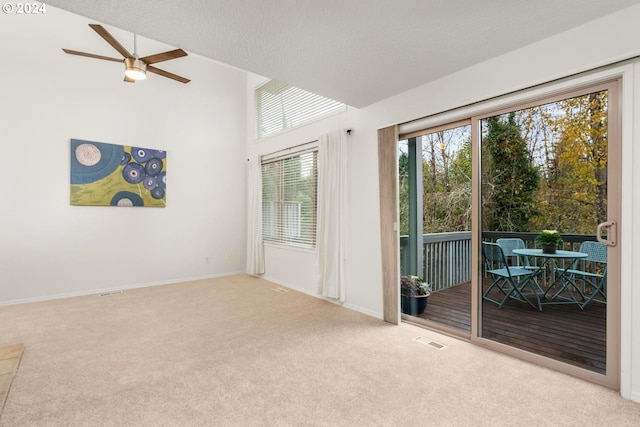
{"x":413,"y":306}
{"x":549,"y":249}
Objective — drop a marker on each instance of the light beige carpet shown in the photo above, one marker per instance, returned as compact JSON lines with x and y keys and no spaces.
{"x":9,"y":360}
{"x":241,"y":351}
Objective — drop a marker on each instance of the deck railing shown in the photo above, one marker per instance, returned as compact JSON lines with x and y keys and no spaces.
{"x":447,"y":256}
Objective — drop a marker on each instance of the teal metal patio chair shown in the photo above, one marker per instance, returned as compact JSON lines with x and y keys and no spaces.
{"x":508,"y":280}
{"x":508,"y":244}
{"x":592,"y":271}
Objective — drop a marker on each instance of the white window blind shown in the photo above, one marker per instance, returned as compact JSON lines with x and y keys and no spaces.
{"x":280,"y":106}
{"x":289,"y":199}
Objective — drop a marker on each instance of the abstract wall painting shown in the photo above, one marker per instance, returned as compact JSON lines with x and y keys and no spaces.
{"x":117,"y":175}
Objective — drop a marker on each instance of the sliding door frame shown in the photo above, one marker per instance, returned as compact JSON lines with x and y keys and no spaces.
{"x":615,"y":74}
{"x":389,"y":220}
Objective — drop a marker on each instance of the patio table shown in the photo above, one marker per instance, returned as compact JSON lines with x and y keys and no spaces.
{"x":563,"y":279}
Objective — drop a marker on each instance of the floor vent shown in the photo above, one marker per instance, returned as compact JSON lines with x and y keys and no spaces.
{"x":106,"y":294}
{"x":281,"y":290}
{"x":430,"y":342}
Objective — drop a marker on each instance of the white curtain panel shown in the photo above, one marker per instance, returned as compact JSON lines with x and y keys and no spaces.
{"x":331,"y":226}
{"x":255,"y":248}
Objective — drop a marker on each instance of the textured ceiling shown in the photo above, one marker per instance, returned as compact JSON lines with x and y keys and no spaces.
{"x":355,"y":51}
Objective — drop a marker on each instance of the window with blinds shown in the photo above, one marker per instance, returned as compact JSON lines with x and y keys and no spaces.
{"x":280,"y":106}
{"x":289,"y":199}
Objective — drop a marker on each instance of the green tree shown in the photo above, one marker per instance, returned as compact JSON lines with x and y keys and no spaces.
{"x":510,"y":179}
{"x":403,"y":189}
{"x":447,"y":180}
{"x":459,"y":197}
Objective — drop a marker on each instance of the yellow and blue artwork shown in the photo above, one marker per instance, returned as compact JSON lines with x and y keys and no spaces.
{"x":117,"y":175}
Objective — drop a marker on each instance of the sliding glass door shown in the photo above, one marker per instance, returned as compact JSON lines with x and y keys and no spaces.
{"x":548,"y":166}
{"x":494,"y":182}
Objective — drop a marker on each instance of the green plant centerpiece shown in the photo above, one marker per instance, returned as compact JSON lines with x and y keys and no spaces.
{"x":549,"y":240}
{"x":413,"y":295}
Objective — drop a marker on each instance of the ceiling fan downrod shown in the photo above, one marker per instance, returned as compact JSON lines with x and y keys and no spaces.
{"x":135,"y":68}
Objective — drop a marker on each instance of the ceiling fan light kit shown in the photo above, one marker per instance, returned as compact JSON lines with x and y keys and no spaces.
{"x":135,"y":67}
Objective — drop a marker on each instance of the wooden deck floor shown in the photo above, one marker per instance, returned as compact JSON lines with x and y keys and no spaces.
{"x":560,"y":332}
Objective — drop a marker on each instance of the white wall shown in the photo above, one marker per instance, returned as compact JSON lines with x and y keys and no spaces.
{"x":610,"y":39}
{"x":49,"y":248}
{"x":296,"y":268}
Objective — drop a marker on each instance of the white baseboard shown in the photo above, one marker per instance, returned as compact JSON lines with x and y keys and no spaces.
{"x":115,"y":289}
{"x":307,"y":292}
{"x":363,"y":310}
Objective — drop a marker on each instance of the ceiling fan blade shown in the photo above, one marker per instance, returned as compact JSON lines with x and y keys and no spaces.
{"x":163,"y":73}
{"x":165,"y":56}
{"x":110,"y":39}
{"x":91,"y":55}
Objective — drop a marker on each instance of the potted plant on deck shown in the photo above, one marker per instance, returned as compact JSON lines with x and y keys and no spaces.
{"x":413,"y":295}
{"x":549,"y":240}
